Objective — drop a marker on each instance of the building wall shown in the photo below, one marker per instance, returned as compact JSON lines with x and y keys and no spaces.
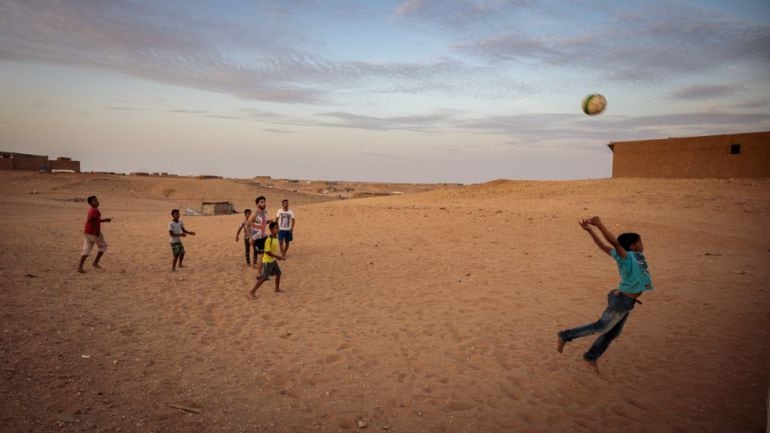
{"x":25,"y":161}
{"x":216,"y":208}
{"x":33,"y":163}
{"x":65,"y":164}
{"x":694,"y":157}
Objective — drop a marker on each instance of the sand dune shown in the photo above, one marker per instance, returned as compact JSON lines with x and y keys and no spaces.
{"x":424,"y":312}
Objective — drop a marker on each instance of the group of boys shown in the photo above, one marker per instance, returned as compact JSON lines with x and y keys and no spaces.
{"x":627,"y":251}
{"x":268,"y":240}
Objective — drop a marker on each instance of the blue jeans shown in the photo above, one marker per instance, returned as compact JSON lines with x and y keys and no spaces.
{"x":609,"y":325}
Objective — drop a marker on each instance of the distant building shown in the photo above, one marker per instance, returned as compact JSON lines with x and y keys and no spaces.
{"x":713,"y":156}
{"x":217,"y":208}
{"x":25,"y":161}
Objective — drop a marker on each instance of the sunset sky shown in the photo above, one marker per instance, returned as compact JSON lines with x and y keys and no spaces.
{"x":398,"y":91}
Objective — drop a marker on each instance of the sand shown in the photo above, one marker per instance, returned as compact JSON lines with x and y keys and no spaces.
{"x":434,"y":311}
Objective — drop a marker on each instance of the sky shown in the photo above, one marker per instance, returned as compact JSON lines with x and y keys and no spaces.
{"x":394,"y":91}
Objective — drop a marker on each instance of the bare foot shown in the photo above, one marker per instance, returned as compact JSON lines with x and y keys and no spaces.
{"x":251,"y":296}
{"x":560,"y":344}
{"x":181,"y":266}
{"x":96,"y":265}
{"x":81,"y":270}
{"x":278,"y":291}
{"x":593,"y":364}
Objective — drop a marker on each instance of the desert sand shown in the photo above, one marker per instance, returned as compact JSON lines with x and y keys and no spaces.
{"x":432,"y":311}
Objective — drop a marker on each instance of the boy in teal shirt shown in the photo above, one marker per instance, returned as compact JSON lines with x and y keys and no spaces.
{"x":627,"y":250}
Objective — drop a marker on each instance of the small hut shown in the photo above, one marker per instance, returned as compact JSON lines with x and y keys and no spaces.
{"x":217,"y":208}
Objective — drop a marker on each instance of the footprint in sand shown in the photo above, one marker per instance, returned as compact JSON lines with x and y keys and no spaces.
{"x":508,"y":392}
{"x":459,"y":406}
{"x":343,"y":346}
{"x":331,"y":359}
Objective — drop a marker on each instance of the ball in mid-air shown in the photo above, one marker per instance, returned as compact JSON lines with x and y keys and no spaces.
{"x":594,"y":104}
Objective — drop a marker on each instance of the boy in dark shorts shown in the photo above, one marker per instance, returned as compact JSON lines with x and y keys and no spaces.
{"x":627,"y":250}
{"x":286,"y":221}
{"x":246,"y":230}
{"x":176,"y":231}
{"x":269,"y":260}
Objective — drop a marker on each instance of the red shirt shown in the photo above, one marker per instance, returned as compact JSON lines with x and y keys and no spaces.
{"x":93,"y":222}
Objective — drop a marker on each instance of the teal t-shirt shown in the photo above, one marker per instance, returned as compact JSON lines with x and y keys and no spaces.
{"x":634,"y":274}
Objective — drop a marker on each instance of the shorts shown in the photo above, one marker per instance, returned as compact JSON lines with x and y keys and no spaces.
{"x":259,"y":246}
{"x":177,"y":248}
{"x":285,"y":235}
{"x":269,"y":270}
{"x":89,"y":242}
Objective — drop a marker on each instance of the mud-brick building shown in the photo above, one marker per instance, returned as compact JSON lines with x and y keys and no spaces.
{"x":25,"y":161}
{"x":712,"y":156}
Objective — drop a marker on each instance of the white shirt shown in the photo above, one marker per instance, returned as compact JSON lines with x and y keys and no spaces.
{"x":176,"y":227}
{"x":284,"y":218}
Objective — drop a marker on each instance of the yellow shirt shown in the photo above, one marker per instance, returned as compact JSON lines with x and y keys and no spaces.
{"x":271,"y":246}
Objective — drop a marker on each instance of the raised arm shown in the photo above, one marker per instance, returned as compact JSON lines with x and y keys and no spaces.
{"x":597,"y":222}
{"x":585,"y":224}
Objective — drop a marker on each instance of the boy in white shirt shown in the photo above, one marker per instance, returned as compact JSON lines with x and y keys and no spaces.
{"x":176,"y":230}
{"x":285,"y":218}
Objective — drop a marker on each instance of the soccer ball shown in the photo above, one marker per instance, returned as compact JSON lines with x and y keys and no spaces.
{"x":594,"y":104}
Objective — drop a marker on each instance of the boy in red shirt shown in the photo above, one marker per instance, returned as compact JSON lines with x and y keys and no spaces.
{"x":93,"y":234}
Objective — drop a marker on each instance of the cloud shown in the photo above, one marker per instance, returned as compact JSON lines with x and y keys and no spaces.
{"x":409,"y":7}
{"x":422,"y":123}
{"x":185,"y":111}
{"x":263,"y":62}
{"x":277,"y":131}
{"x":658,"y":43}
{"x":554,"y":131}
{"x":703,"y":91}
{"x":261,"y":53}
{"x":135,"y":40}
{"x":543,"y":128}
{"x":124,"y":108}
{"x":467,"y":15}
{"x":761,"y":101}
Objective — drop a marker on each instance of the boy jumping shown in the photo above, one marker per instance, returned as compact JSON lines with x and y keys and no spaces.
{"x":627,"y":250}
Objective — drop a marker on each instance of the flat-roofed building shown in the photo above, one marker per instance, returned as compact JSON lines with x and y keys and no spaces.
{"x":26,"y":161}
{"x":712,"y":156}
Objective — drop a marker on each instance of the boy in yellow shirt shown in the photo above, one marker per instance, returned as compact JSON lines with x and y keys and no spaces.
{"x":269,"y":261}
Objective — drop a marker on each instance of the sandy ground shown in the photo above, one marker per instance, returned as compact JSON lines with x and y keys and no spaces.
{"x":423,"y":312}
